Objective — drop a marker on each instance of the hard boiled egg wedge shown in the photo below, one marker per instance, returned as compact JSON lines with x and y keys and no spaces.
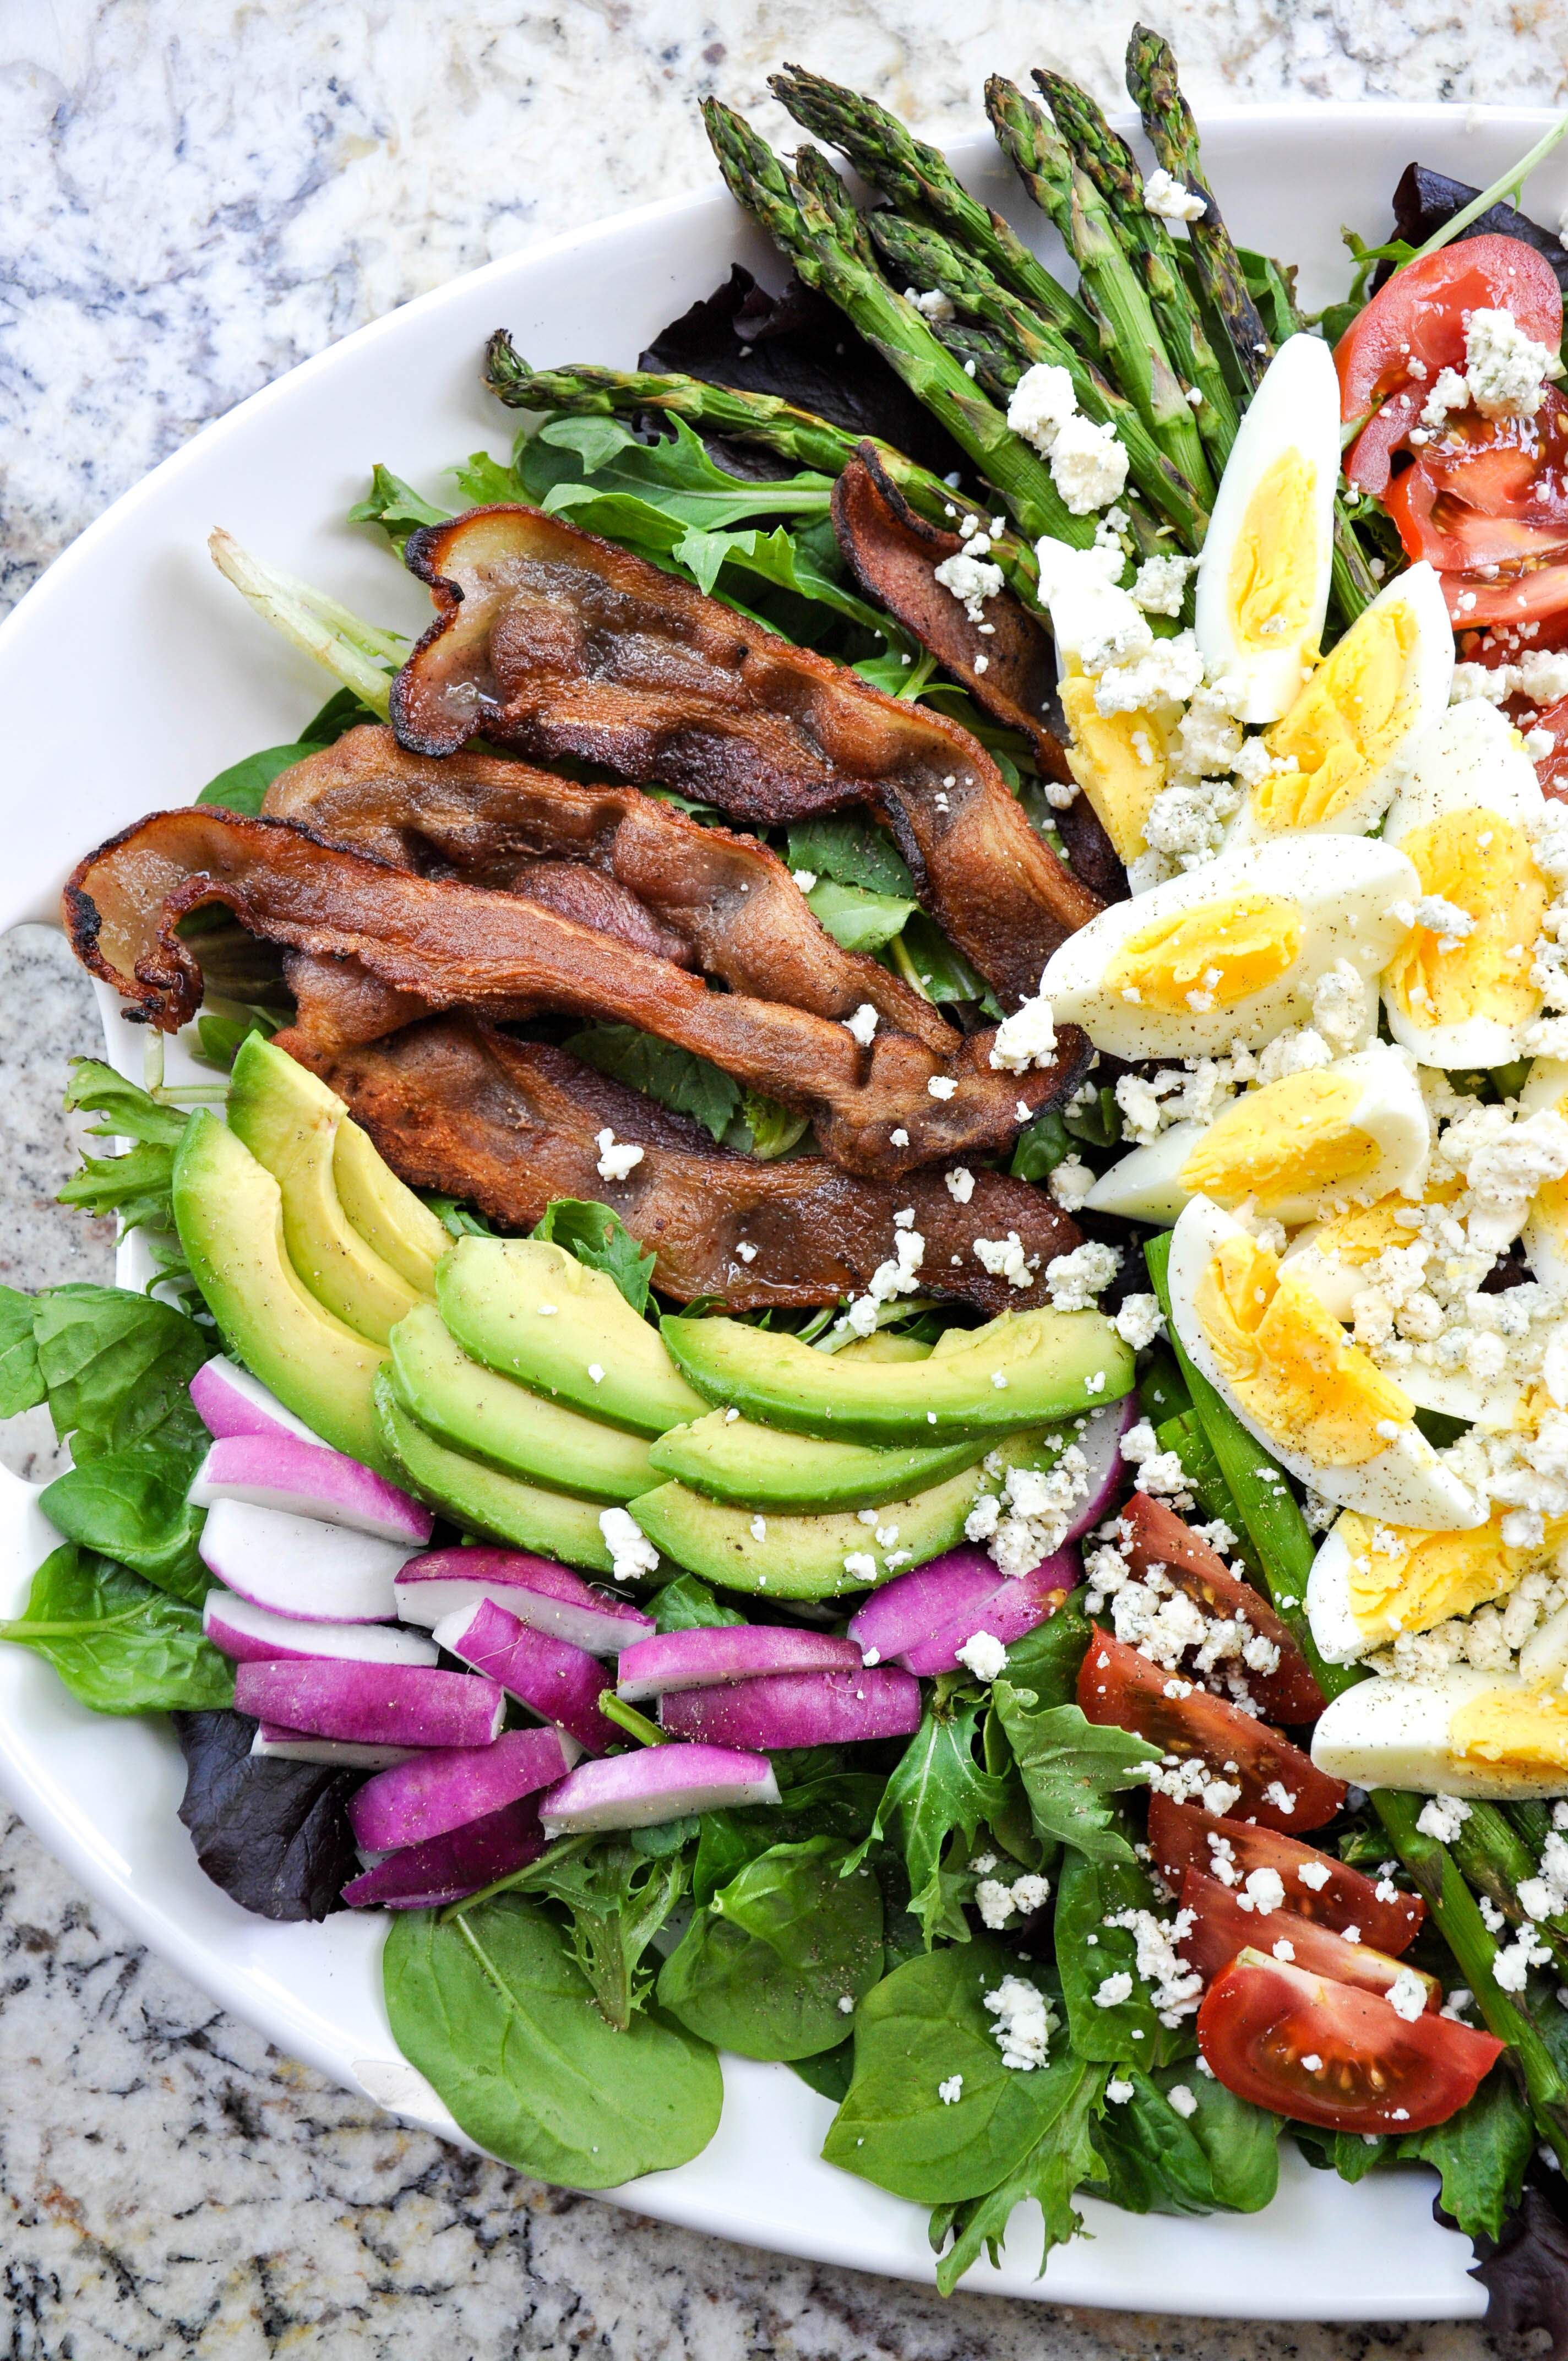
{"x":1263,"y":577}
{"x":1297,"y":1147}
{"x":1546,"y":1231}
{"x":1296,"y":1382}
{"x":1345,"y":746}
{"x":1233,"y":949}
{"x":1458,"y":993}
{"x":1463,"y":1732}
{"x":1370,"y":1581}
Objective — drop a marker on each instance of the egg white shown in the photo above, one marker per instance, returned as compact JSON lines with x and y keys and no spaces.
{"x":1392,"y":1733}
{"x":1546,"y":1231}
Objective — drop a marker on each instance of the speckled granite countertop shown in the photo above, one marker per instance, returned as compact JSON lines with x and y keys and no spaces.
{"x":196,"y":194}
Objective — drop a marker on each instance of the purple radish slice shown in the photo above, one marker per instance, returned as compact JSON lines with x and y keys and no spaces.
{"x":245,"y":1632}
{"x":551,"y":1678}
{"x":910,"y":1608}
{"x":1011,"y":1609}
{"x":273,"y":1737}
{"x":452,"y":1785}
{"x":307,"y":1479}
{"x":546,"y":1597}
{"x":659,"y":1783}
{"x":1101,"y":1443}
{"x":796,"y":1710}
{"x":696,"y":1659}
{"x":446,"y":1868}
{"x":380,"y":1705}
{"x":300,"y":1567}
{"x":229,"y":1401}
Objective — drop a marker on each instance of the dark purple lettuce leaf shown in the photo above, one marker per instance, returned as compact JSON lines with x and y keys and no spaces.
{"x":274,"y":1835}
{"x":1425,"y":200}
{"x":799,"y":347}
{"x":1525,"y":2273}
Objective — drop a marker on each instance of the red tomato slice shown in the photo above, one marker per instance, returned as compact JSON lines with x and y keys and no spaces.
{"x":1224,"y":1924}
{"x":1183,"y":1838}
{"x":1551,"y":769}
{"x":1121,"y":1689}
{"x":1262,"y":2020}
{"x":1420,"y":316}
{"x":1155,"y":1535}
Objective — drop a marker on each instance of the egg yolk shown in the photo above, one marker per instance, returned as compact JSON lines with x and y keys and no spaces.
{"x":1345,"y":725}
{"x":1404,"y":1579}
{"x":1288,"y":1362}
{"x":1211,"y":956}
{"x":1274,"y":565}
{"x":1284,"y":1141}
{"x":1482,"y":864}
{"x":1358,"y":1237}
{"x":1118,"y":760}
{"x":1513,"y":1730}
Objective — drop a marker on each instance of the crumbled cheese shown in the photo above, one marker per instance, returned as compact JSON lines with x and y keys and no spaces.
{"x":1168,"y":672}
{"x":952,"y":2091}
{"x":1264,"y":1892}
{"x":1114,"y":1991}
{"x":860,"y":1565}
{"x":984,"y":1656}
{"x":1119,"y":2093}
{"x":1444,"y":918}
{"x":1004,"y":1258}
{"x":1040,"y":405}
{"x":935,"y":305}
{"x":1506,"y":370}
{"x":1407,"y":1996}
{"x":758,"y":1529}
{"x":1314,"y":1875}
{"x":1182,"y":2099}
{"x":972,"y":581}
{"x":1026,"y":1039}
{"x":632,"y":1552}
{"x":1139,"y":1320}
{"x":960,"y":1184}
{"x":595,"y":1372}
{"x":616,"y":1160}
{"x":1176,"y":1989}
{"x":1075,"y":1279}
{"x":1543,"y":678}
{"x":1171,"y":200}
{"x":1449,"y":392}
{"x":862,"y":1025}
{"x":1069,"y":1183}
{"x":1513,"y":1962}
{"x":1088,"y":463}
{"x":941,"y":1086}
{"x":1024,"y":2023}
{"x":804,"y":878}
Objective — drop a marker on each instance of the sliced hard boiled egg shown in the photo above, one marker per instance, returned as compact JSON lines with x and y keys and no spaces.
{"x":1118,"y":760}
{"x":1371,"y":1581}
{"x":1263,"y":578}
{"x":1458,"y":993}
{"x":1146,"y":1185}
{"x":1233,"y":949}
{"x":1298,"y":1383}
{"x":1463,"y":1732}
{"x":1546,"y":1231}
{"x":1344,"y":748}
{"x":1336,"y":1259}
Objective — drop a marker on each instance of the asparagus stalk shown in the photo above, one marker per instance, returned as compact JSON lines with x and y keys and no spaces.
{"x":918,"y":177}
{"x":1131,"y":344}
{"x":931,"y":260}
{"x":1109,"y":162}
{"x":796,"y":218}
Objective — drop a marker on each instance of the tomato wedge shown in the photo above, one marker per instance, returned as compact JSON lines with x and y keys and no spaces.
{"x":1552,"y":768}
{"x":1182,"y":1838}
{"x":1155,"y":1535}
{"x":1225,"y":1925}
{"x":1263,"y":2021}
{"x":1487,"y":503}
{"x":1279,"y":1786}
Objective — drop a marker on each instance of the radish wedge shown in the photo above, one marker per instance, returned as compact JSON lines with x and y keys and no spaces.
{"x":274,"y":1739}
{"x":553,"y":1679}
{"x":247,"y":1634}
{"x":696,"y":1659}
{"x":229,"y":1401}
{"x":1008,"y":1612}
{"x":446,"y":1868}
{"x":452,"y":1785}
{"x":908,"y":1609}
{"x":380,"y":1705}
{"x":661,"y":1782}
{"x":1100,"y":1440}
{"x":796,"y":1710}
{"x":307,"y":1479}
{"x":540,"y":1592}
{"x":300,"y":1566}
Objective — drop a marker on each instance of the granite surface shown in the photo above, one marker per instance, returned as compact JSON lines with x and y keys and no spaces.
{"x":194,"y":195}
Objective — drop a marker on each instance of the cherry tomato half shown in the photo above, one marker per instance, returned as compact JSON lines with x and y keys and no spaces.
{"x":1182,"y":1838}
{"x":1226,"y":1923}
{"x":1155,"y":1535}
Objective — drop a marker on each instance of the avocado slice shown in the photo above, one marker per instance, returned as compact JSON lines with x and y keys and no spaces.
{"x":482,"y":1500}
{"x":287,"y":1120}
{"x":883,"y":1344}
{"x":803,"y":1557}
{"x":756,"y":1467}
{"x":528,"y":1310}
{"x":388,"y":1215}
{"x":494,"y":1419}
{"x":1020,"y":1369}
{"x":229,"y":1213}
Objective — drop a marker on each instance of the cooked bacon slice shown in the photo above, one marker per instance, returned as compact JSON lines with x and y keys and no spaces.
{"x":700,"y":896}
{"x":455,"y":945}
{"x":552,"y":641}
{"x":507,"y":1125}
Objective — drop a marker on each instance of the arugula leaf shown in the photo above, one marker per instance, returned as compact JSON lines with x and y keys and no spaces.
{"x":490,"y":2006}
{"x":396,"y":506}
{"x":600,"y":1239}
{"x":785,"y":559}
{"x":483,"y":481}
{"x":858,"y":921}
{"x":1088,"y":1951}
{"x":242,"y":786}
{"x":618,"y":1896}
{"x":1482,"y":2153}
{"x":120,"y":1644}
{"x":763,"y":1970}
{"x":680,"y":1080}
{"x":936,"y":1789}
{"x":688,"y":1604}
{"x":1048,"y":1659}
{"x":117,"y":1367}
{"x":131,"y":1506}
{"x":853,"y":850}
{"x":895,"y":675}
{"x":461,"y":1220}
{"x":138,"y":1184}
{"x":1070,"y":1766}
{"x":674,"y":474}
{"x":828,"y":1802}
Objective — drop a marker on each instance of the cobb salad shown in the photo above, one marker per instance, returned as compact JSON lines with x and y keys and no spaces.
{"x":862,"y":1352}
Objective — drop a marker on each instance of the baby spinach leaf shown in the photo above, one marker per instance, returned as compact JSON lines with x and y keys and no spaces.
{"x":120,"y":1644}
{"x":936,"y":1787}
{"x":221,"y":1031}
{"x":688,"y":1604}
{"x":1070,"y":1766}
{"x":131,"y":1505}
{"x":1069,"y":2096}
{"x":620,"y":1895}
{"x":274,"y":1835}
{"x":1046,"y":1660}
{"x":1222,"y":2152}
{"x":1241,"y":2141}
{"x":829,"y":2072}
{"x":1482,"y":2153}
{"x":482,"y":481}
{"x":941,"y":969}
{"x":853,"y":850}
{"x":858,"y":921}
{"x":1090,"y":1953}
{"x":678,"y":1080}
{"x":117,"y":1367}
{"x":490,"y":2006}
{"x":600,"y":1239}
{"x":763,"y":1970}
{"x":1041,"y":1146}
{"x":837,"y":1804}
{"x":21,"y":1381}
{"x":243,"y":785}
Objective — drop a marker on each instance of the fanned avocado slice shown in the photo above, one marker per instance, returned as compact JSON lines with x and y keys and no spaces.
{"x":481,"y":1500}
{"x":387,"y":1216}
{"x":732,"y":1458}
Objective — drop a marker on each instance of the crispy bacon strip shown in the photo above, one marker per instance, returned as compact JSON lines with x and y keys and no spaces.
{"x":702,"y":896}
{"x":552,"y":641}
{"x":508,"y":1125}
{"x":455,"y":945}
